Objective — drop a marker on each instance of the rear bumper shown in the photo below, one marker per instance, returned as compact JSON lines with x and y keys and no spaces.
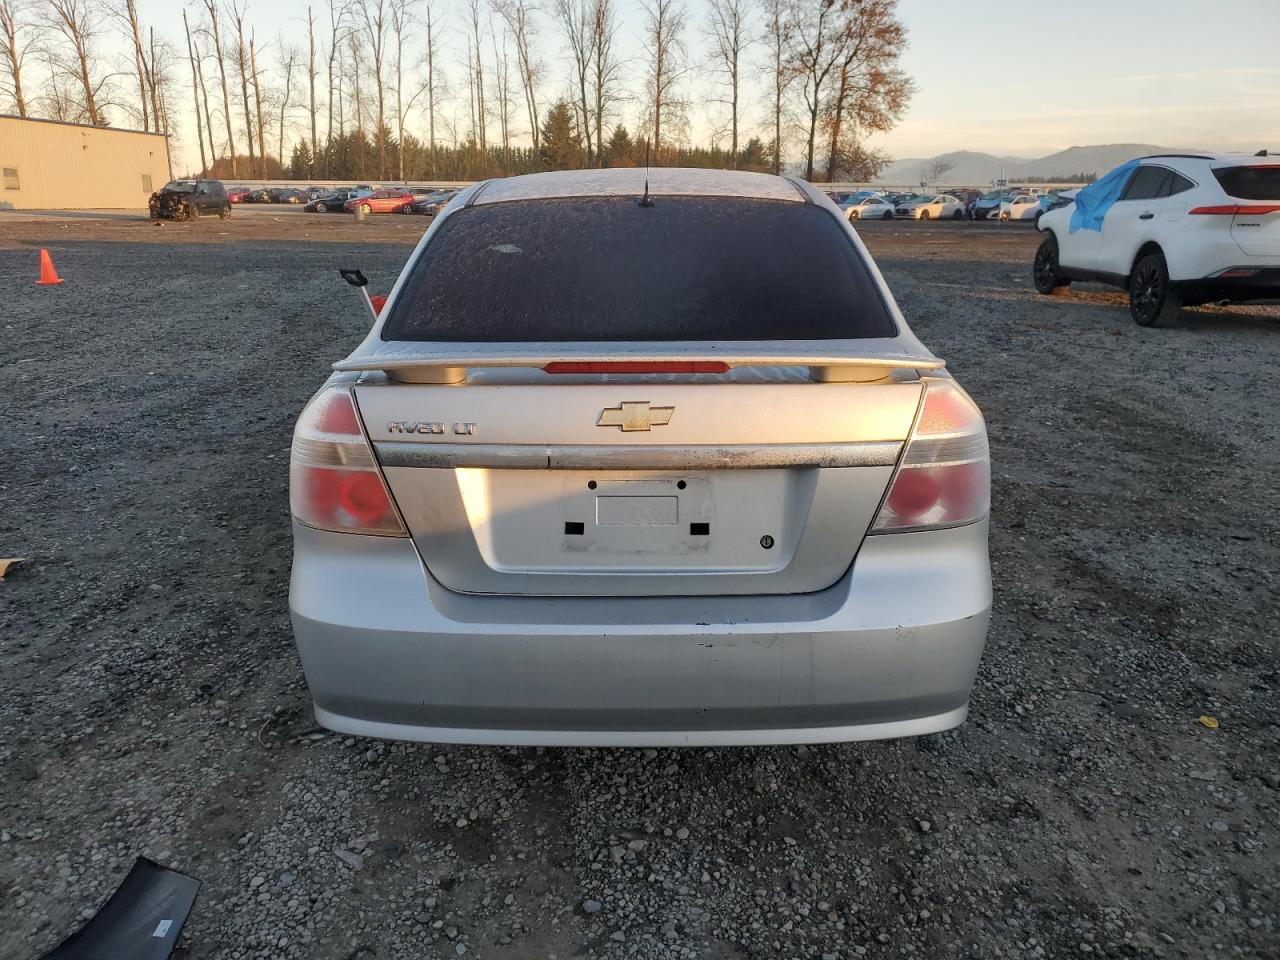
{"x":891,"y":650}
{"x":1263,"y":283}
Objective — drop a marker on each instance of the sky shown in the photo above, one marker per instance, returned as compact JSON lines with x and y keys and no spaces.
{"x":997,"y":76}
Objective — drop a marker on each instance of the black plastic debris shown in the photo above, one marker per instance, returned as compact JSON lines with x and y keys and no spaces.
{"x":142,"y":920}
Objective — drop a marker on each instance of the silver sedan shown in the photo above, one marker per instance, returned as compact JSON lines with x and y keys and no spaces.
{"x":638,"y":458}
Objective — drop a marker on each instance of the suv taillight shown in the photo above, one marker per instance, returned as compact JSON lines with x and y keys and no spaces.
{"x":334,"y":483}
{"x":944,"y":477}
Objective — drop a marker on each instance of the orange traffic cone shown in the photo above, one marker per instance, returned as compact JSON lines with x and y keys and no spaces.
{"x":48,"y":276}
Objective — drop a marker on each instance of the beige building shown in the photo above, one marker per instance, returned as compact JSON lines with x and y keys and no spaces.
{"x":51,"y":165}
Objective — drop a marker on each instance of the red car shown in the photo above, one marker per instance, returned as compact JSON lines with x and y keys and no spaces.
{"x":383,"y":201}
{"x":239,"y":195}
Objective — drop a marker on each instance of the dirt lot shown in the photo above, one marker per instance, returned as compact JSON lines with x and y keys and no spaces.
{"x":151,"y":701}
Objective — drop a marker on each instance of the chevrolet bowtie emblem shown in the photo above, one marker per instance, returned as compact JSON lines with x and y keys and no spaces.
{"x":635,"y":416}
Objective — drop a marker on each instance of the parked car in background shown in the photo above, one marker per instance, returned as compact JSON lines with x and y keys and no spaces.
{"x":1173,"y":230}
{"x":988,"y":205}
{"x":290,"y":195}
{"x":331,"y":202}
{"x":1020,"y":207}
{"x":939,"y":207}
{"x":189,"y":200}
{"x":382,"y":201}
{"x":258,"y":196}
{"x":238,"y":194}
{"x":430,"y":206}
{"x":491,"y":548}
{"x":867,"y":208}
{"x":1052,"y":201}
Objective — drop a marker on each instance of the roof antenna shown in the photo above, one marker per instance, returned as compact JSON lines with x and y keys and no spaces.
{"x":646,"y":200}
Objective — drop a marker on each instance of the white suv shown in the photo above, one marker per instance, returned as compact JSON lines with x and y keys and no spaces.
{"x":1172,"y":230}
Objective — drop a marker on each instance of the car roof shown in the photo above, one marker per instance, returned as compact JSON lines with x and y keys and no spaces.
{"x":631,"y":181}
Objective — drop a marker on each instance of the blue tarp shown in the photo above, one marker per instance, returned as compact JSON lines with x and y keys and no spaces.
{"x":1093,"y":201}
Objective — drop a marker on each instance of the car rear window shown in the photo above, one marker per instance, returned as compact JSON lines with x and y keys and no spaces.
{"x":1250,"y":183}
{"x":606,"y":268}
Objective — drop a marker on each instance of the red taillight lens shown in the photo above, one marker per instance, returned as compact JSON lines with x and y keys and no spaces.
{"x":944,"y":479}
{"x":636,"y":366}
{"x":1234,"y":209}
{"x":334,"y":483}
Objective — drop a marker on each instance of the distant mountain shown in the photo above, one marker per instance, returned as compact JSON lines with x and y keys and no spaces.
{"x":977,"y":169}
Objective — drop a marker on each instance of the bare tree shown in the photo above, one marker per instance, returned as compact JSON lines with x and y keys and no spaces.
{"x":729,"y":28}
{"x":208,"y":114}
{"x":375,"y":16}
{"x":195,"y":92}
{"x":238,"y":8}
{"x":357,"y":59}
{"x":311,"y":88}
{"x":476,"y":44}
{"x":819,"y":44}
{"x":575,"y":21}
{"x":128,"y":17}
{"x":871,"y":91}
{"x":57,"y":102}
{"x":935,"y":170}
{"x":337,"y":23}
{"x":502,"y":90}
{"x":401,"y":13}
{"x":211,"y":6}
{"x":159,"y":79}
{"x":606,"y":69}
{"x":665,"y":52}
{"x":257,"y":99}
{"x":75,"y":26}
{"x":431,"y":85}
{"x":778,"y":30}
{"x":518,"y":15}
{"x":14,"y":34}
{"x":289,"y":57}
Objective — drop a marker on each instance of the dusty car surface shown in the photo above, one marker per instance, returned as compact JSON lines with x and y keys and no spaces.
{"x":639,"y":457}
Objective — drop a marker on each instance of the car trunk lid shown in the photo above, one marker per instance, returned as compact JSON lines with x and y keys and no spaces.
{"x":1254,"y":189}
{"x":759,"y":480}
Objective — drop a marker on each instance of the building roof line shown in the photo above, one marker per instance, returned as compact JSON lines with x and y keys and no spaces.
{"x":83,"y":126}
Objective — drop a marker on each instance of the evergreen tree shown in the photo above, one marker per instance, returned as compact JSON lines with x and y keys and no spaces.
{"x":619,"y":151}
{"x":561,"y":145}
{"x":300,"y":161}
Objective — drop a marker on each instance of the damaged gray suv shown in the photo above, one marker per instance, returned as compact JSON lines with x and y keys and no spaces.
{"x":640,"y":458}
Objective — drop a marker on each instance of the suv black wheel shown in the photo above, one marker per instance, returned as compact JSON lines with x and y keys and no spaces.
{"x":225,"y":212}
{"x":193,"y":211}
{"x":1153,"y":302}
{"x":1045,"y":271}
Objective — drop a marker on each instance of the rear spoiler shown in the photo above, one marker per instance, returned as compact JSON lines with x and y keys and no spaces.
{"x":448,"y":363}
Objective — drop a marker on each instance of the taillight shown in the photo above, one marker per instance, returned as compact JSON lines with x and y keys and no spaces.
{"x":1234,"y":209}
{"x":944,"y":479}
{"x":334,"y":483}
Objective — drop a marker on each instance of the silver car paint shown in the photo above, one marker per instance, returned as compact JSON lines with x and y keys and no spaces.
{"x":889,"y":648}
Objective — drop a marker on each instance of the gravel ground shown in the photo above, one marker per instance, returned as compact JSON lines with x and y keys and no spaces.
{"x":151,"y":701}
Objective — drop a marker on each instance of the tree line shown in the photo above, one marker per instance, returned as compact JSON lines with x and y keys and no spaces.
{"x":415,"y":89}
